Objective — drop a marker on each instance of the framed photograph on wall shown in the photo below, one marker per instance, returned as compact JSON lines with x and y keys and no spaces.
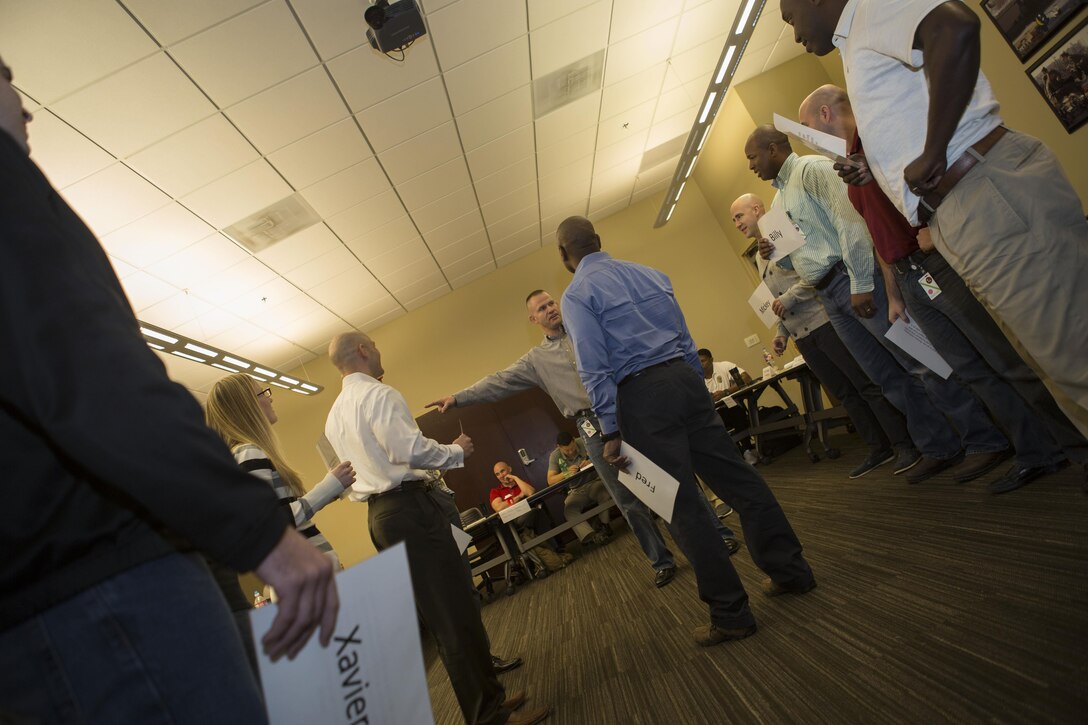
{"x":1027,"y":24}
{"x":1062,"y":77}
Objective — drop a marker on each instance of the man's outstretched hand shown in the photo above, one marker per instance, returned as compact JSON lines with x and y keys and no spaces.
{"x":443,"y":404}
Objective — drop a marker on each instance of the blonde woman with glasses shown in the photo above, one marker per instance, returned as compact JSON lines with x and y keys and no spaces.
{"x":241,"y":412}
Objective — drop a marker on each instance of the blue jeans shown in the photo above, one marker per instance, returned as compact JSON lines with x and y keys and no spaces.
{"x":639,"y":517}
{"x":969,"y":340}
{"x":153,"y":644}
{"x":921,"y":395}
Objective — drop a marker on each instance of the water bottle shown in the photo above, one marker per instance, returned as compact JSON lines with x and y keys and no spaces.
{"x":258,"y":600}
{"x":769,"y":360}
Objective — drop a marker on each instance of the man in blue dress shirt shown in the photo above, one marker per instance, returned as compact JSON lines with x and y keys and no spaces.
{"x":640,"y":368}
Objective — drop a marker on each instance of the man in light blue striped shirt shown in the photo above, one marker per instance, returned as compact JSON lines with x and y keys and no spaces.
{"x":837,"y":259}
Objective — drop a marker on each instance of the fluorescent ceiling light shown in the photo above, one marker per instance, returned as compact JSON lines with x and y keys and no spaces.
{"x":744,"y":15}
{"x":280,"y":385}
{"x":224,"y":367}
{"x":202,"y":350}
{"x":681,"y":191}
{"x":262,"y":371}
{"x":286,"y":379}
{"x":257,"y":377}
{"x":706,"y":108}
{"x":725,"y":65}
{"x":671,"y":209}
{"x":309,"y":387}
{"x":703,"y":139}
{"x":235,"y":361}
{"x":186,"y":355}
{"x":690,"y":167}
{"x":300,"y":392}
{"x":159,"y":336}
{"x":157,"y":347}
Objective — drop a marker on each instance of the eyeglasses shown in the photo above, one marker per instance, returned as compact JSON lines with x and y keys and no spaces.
{"x":267,"y":392}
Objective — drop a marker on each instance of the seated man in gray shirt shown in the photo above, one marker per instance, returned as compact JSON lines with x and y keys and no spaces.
{"x":568,"y":458}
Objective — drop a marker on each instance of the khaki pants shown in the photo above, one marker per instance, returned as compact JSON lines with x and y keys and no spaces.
{"x":584,"y":498}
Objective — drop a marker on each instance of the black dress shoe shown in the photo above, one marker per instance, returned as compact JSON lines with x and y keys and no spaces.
{"x":731,"y":544}
{"x":1017,"y":477}
{"x":664,"y":576}
{"x":502,"y":665}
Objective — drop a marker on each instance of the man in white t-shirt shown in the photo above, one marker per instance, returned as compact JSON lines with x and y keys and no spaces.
{"x":999,"y":208}
{"x":719,"y":380}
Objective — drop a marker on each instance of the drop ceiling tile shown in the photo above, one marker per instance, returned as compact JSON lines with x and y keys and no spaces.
{"x":678,"y":125}
{"x":555,"y":157}
{"x":614,"y":183}
{"x":300,"y":248}
{"x":751,"y":64}
{"x":122,"y":269}
{"x":489,"y":76}
{"x":596,"y":215}
{"x":783,"y":51}
{"x":195,"y":156}
{"x":630,"y":17}
{"x":376,"y":313}
{"x":367,"y":77}
{"x":408,"y":114}
{"x":237,"y":195}
{"x":639,"y":52}
{"x":270,"y":350}
{"x":445,"y":210}
{"x":767,"y":31}
{"x":289,"y":111}
{"x":422,"y":153}
{"x":349,"y":187}
{"x":246,"y":54}
{"x":468,"y":264}
{"x":232,"y":339}
{"x":557,"y":208}
{"x":233,"y":282}
{"x":633,"y":91}
{"x":277,"y":298}
{"x":512,"y":224}
{"x":321,"y":154}
{"x":59,"y":52}
{"x":473,"y":27}
{"x":570,"y":38}
{"x":171,"y":22}
{"x":441,"y":291}
{"x":331,"y":264}
{"x":455,"y":231}
{"x":650,"y":177}
{"x":398,"y":257}
{"x":617,"y":153}
{"x":460,"y":250}
{"x":28,"y":103}
{"x":558,"y":125}
{"x":630,"y":123}
{"x":511,"y":203}
{"x":314,"y":328}
{"x":113,"y":197}
{"x":334,"y":26}
{"x":135,"y":107}
{"x":519,"y":238}
{"x":651,"y":190}
{"x":498,"y":154}
{"x":567,"y":181}
{"x":704,"y":22}
{"x":496,"y":118}
{"x":699,"y":61}
{"x":472,"y":275}
{"x":349,"y":291}
{"x":208,"y":256}
{"x":175,"y":311}
{"x":364,"y":217}
{"x":542,"y":12}
{"x":64,"y":154}
{"x":156,"y":236}
{"x":493,"y":187}
{"x":424,"y":270}
{"x":679,"y":100}
{"x":389,"y":236}
{"x":422,"y":290}
{"x":516,"y":254}
{"x":143,"y":290}
{"x":434,"y":184}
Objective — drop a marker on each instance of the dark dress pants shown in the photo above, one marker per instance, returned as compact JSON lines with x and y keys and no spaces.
{"x":877,"y":421}
{"x":666,"y":414}
{"x":445,"y":603}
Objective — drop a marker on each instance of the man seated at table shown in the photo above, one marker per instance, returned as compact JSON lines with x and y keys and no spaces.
{"x":720,"y":383}
{"x":512,"y":489}
{"x":567,"y":459}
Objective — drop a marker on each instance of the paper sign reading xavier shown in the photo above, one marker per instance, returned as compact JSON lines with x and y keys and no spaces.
{"x":649,"y":482}
{"x":761,"y":301}
{"x":371,"y":672}
{"x":915,"y":343}
{"x":780,"y":231}
{"x":826,"y":144}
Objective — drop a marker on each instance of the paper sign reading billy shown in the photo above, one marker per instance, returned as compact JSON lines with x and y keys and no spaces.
{"x":510,"y":513}
{"x":915,"y":343}
{"x":831,"y":146}
{"x":649,"y":482}
{"x":780,"y":231}
{"x":761,"y":301}
{"x":372,"y":670}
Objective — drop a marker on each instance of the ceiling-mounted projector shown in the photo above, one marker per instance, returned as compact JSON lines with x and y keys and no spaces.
{"x":393,"y":26}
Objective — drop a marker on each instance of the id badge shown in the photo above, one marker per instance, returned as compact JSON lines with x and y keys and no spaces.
{"x":929,"y":285}
{"x":590,"y":431}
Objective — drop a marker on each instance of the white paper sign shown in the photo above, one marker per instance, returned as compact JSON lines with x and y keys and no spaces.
{"x":649,"y":482}
{"x":510,"y":513}
{"x":915,"y":343}
{"x":461,"y":539}
{"x":761,"y":301}
{"x":372,"y":670}
{"x":780,"y":231}
{"x":327,"y":453}
{"x":831,"y":146}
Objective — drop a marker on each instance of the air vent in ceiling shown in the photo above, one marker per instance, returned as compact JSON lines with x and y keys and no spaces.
{"x":662,"y":152}
{"x":568,"y":84}
{"x":274,"y":223}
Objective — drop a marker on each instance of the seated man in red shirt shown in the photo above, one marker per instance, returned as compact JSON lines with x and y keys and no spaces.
{"x":512,"y":489}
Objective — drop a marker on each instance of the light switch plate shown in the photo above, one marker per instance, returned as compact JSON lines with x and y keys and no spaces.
{"x":751,"y":340}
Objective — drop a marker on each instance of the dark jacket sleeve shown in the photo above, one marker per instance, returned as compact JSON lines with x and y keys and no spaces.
{"x":77,"y":378}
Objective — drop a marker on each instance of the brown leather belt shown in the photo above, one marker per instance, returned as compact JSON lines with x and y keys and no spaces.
{"x":930,"y":201}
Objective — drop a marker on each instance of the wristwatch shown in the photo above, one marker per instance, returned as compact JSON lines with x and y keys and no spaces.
{"x":605,"y":437}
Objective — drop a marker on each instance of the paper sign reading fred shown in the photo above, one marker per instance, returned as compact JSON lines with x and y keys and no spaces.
{"x":372,"y":670}
{"x":649,"y":482}
{"x":777,"y":227}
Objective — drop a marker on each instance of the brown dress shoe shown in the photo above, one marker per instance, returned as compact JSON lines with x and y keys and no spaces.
{"x":773,"y":589}
{"x":708,"y":635}
{"x":979,"y":464}
{"x":928,"y":467}
{"x":513,"y":702}
{"x":530,"y":716}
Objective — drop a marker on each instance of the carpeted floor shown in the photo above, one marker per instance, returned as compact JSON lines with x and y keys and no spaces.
{"x":936,"y":603}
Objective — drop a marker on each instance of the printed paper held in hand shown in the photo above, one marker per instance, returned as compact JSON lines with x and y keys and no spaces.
{"x":461,"y":538}
{"x":649,"y":482}
{"x":780,"y":231}
{"x":761,"y":301}
{"x":510,"y":513}
{"x":824,"y":143}
{"x":915,"y":343}
{"x":372,"y":671}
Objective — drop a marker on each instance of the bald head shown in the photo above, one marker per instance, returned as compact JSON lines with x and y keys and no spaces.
{"x":828,"y":109}
{"x":766,"y":135}
{"x":745,"y":212}
{"x":577,"y":238}
{"x":355,"y":352}
{"x":767,"y":149}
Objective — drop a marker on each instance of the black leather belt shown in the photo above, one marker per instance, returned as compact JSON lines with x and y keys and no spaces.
{"x":406,"y":487}
{"x":584,"y":413}
{"x":913,"y":260}
{"x":928,"y":204}
{"x":828,"y":278}
{"x":634,"y":375}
